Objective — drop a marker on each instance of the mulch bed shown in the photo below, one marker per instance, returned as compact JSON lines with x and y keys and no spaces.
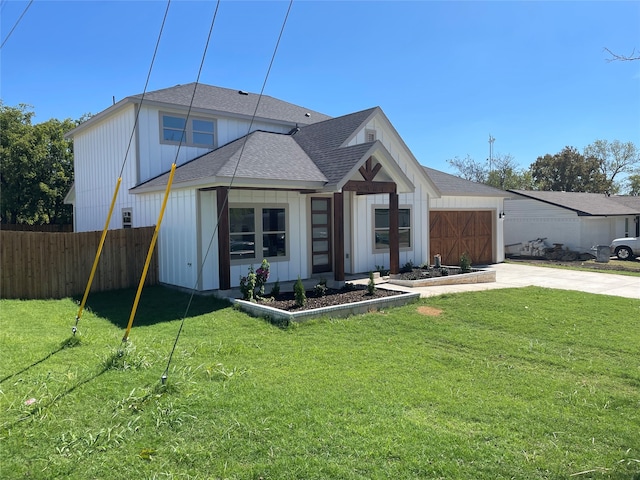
{"x":629,"y":266}
{"x":286,"y":300}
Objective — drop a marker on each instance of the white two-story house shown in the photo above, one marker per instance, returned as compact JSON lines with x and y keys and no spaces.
{"x":310,"y":193}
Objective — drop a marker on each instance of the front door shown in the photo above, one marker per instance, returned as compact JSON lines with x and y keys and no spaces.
{"x":321,"y":235}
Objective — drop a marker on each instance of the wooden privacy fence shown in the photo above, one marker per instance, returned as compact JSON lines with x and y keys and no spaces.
{"x":57,"y":265}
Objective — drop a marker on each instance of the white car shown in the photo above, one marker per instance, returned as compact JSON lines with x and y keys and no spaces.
{"x":626,"y":248}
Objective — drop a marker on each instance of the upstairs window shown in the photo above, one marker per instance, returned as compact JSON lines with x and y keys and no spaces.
{"x":197,"y":132}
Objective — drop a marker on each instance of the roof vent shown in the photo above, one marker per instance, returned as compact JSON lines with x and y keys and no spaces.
{"x":242,"y":92}
{"x":307,"y":114}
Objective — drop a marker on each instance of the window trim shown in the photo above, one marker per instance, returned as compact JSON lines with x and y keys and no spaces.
{"x":259,"y":232}
{"x":189,"y":131}
{"x":373,"y":228}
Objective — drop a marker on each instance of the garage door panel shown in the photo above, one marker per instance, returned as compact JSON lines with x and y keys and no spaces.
{"x":453,"y":233}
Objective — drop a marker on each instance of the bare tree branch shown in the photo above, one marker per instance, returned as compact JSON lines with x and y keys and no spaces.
{"x":623,"y":58}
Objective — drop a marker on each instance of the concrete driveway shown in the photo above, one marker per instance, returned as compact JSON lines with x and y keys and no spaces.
{"x":510,"y":275}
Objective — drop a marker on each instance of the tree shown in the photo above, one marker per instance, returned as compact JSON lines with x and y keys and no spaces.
{"x":623,"y":58}
{"x":569,"y":171}
{"x":36,"y":167}
{"x":469,"y":169}
{"x":504,"y":175}
{"x":633,"y":184}
{"x":615,"y":158}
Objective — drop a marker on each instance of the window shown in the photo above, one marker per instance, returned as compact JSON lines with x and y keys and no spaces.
{"x":257,"y":232}
{"x":127,"y":220}
{"x":381,"y":228}
{"x":198,"y":132}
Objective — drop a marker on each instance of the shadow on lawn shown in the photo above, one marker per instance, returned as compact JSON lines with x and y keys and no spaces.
{"x":157,"y":304}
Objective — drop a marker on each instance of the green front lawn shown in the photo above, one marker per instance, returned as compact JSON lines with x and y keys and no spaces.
{"x":521,"y":383}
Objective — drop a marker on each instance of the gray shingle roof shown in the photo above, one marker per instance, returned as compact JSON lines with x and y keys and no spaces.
{"x":451,"y":185}
{"x":322,"y":142}
{"x":227,"y":100}
{"x":315,"y":154}
{"x":266,"y":156}
{"x":597,"y":204}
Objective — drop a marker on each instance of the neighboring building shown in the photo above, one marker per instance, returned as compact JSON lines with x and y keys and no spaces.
{"x":578,"y":221}
{"x":468,"y":217}
{"x":310,"y":193}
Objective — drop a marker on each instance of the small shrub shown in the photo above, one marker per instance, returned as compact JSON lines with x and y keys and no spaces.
{"x":349,"y":287}
{"x":248,"y":285}
{"x":444,"y":271}
{"x":465,"y":263}
{"x":407,"y":267}
{"x":275,"y":290}
{"x":383,"y":271}
{"x":300,"y":294}
{"x":252,"y":286}
{"x":320,"y":289}
{"x":371,"y":286}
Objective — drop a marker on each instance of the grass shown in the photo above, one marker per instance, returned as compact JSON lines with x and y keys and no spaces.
{"x":520,"y":383}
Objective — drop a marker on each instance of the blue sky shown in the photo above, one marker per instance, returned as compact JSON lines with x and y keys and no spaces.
{"x":533,"y":75}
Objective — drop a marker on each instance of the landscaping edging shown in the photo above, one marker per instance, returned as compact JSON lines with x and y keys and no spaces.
{"x":475,"y":276}
{"x":334,"y":311}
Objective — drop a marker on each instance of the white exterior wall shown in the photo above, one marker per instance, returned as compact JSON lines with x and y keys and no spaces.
{"x":528,"y":219}
{"x":99,"y":153}
{"x":156,"y":158}
{"x":493,"y":204}
{"x":294,"y":265}
{"x":361,"y":247}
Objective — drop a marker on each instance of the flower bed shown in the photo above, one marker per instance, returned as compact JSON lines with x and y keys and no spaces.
{"x":424,"y":277}
{"x":334,"y":304}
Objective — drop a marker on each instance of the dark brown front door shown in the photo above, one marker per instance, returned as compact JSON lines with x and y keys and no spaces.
{"x":321,"y":235}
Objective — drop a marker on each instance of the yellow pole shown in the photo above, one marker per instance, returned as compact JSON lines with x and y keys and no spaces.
{"x":149,"y":254}
{"x":98,"y":253}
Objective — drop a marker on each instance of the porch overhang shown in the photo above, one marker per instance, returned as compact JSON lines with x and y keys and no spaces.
{"x":361,"y":177}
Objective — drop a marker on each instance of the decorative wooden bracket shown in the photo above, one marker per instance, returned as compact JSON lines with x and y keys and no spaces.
{"x":369,"y":173}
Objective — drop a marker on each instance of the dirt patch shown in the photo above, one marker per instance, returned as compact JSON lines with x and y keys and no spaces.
{"x":429,"y":311}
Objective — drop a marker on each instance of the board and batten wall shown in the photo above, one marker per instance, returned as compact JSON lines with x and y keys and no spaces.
{"x":528,"y":219}
{"x":360,"y":246}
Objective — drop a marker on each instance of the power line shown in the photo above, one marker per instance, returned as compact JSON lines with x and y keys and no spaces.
{"x":16,"y":24}
{"x":226,"y":199}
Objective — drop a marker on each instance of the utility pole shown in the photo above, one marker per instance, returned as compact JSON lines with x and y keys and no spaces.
{"x":491,"y":140}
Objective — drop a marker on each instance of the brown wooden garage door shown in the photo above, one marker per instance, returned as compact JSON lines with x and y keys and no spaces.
{"x":454,"y":232}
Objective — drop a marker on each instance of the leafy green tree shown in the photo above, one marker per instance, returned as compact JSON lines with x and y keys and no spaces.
{"x":633,"y":184}
{"x":36,"y":167}
{"x":616,"y":158}
{"x":569,"y":171}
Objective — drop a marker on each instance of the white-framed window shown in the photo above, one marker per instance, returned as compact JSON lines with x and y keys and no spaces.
{"x":381,"y":228}
{"x":198,"y":132}
{"x":257,"y":232}
{"x":127,"y":218}
{"x":370,"y":135}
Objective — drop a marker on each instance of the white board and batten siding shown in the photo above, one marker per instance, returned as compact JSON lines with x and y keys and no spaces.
{"x":156,"y":158}
{"x":99,"y":153}
{"x":363,"y":256}
{"x":529,"y":219}
{"x":287,"y":269}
